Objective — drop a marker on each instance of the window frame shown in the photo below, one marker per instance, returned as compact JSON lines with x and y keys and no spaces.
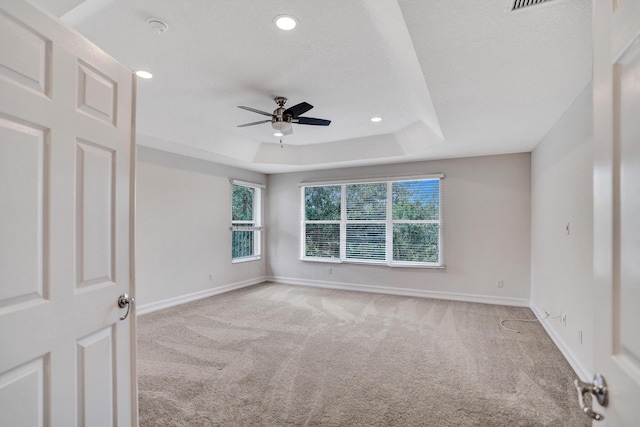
{"x":388,"y":221}
{"x":241,"y":225}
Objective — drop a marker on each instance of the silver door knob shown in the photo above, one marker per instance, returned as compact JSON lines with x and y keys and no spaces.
{"x":598,"y":389}
{"x":125,"y":300}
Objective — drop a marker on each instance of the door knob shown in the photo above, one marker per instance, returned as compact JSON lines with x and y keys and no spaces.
{"x":598,"y":389}
{"x":125,"y":300}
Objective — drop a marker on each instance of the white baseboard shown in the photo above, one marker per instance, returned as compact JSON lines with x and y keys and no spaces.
{"x":154,"y":306}
{"x":569,"y":355}
{"x":516,"y":302}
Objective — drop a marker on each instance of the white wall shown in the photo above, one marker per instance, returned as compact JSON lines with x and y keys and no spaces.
{"x":486,"y":204}
{"x":561,"y":263}
{"x":183,"y":215}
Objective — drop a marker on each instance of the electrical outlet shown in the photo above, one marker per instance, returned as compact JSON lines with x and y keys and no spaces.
{"x":330,"y":270}
{"x":500,"y":284}
{"x":580,"y":336}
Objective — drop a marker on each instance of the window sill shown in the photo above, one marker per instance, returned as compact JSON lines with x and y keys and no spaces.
{"x":245,"y":259}
{"x":412,"y":265}
{"x":325,"y":260}
{"x":374,"y":263}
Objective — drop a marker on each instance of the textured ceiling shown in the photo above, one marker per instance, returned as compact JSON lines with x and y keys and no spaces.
{"x":450,"y":78}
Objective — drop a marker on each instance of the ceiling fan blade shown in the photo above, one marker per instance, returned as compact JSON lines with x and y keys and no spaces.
{"x":312,"y":121}
{"x":253,"y":123}
{"x":297,"y":109}
{"x":264,"y":113}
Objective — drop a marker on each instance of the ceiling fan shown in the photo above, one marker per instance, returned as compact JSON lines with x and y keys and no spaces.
{"x":282,"y":119}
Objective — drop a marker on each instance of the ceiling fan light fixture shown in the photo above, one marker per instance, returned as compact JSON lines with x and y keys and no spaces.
{"x":285,"y":22}
{"x":278,"y":134}
{"x":376,"y":119}
{"x":281,"y":126}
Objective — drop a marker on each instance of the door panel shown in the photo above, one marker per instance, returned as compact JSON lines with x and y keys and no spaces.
{"x":96,"y":94}
{"x":95,"y":222}
{"x":22,"y":170}
{"x":95,"y":379}
{"x":24,"y":55}
{"x":627,"y":97}
{"x":616,"y":207}
{"x":65,"y":227}
{"x":24,"y":391}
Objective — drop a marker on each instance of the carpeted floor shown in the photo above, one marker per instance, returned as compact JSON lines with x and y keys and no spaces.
{"x":278,"y":355}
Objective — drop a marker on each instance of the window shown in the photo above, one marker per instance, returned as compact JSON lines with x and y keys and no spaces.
{"x":393,"y":222}
{"x":322,"y":229}
{"x":246,"y":214}
{"x":366,"y":206}
{"x":416,"y":221}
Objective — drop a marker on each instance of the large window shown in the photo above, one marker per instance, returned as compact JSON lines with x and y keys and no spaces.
{"x":393,"y":222}
{"x":246,"y":214}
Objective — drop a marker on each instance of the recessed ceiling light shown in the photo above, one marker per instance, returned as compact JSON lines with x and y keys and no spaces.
{"x":144,"y":74}
{"x":376,"y":119}
{"x":286,"y":22}
{"x":277,"y":134}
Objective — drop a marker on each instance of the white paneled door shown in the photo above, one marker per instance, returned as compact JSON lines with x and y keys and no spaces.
{"x":617,"y":208}
{"x":66,"y":164}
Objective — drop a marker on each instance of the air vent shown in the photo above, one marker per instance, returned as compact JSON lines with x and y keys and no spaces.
{"x":521,"y":4}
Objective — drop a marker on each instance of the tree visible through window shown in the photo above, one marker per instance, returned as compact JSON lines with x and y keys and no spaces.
{"x":245,"y":222}
{"x":416,"y":221}
{"x":397,"y":222}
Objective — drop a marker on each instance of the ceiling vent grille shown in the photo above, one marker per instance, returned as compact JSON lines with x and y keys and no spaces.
{"x":521,"y":4}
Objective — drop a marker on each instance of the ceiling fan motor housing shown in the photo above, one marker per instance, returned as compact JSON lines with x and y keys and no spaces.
{"x":281,"y":122}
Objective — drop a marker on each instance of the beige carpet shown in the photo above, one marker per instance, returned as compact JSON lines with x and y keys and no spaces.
{"x":277,"y":355}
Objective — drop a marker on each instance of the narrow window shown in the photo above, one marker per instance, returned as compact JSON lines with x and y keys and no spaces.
{"x":246,"y":224}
